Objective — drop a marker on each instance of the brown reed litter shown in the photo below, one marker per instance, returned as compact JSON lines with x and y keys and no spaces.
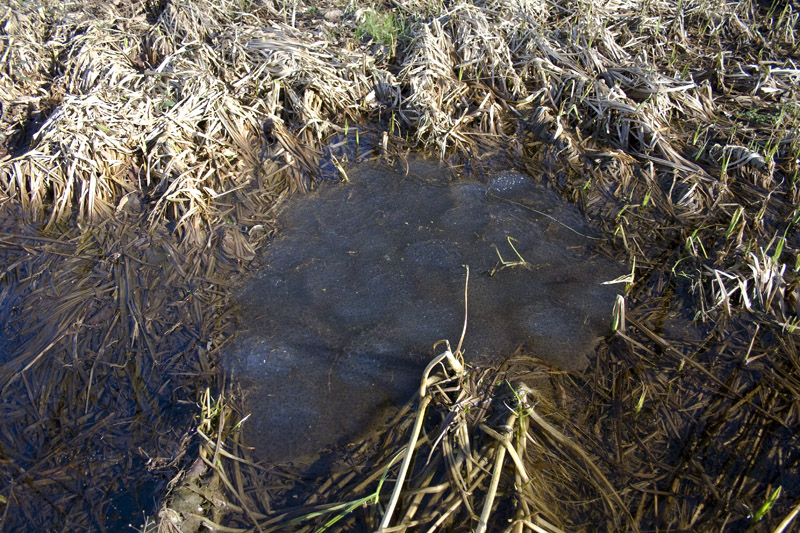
{"x":136,"y":179}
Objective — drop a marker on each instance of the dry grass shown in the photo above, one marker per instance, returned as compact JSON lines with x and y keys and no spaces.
{"x":143,"y":145}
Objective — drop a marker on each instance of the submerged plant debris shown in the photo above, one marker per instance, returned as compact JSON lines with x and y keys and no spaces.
{"x":365,"y":277}
{"x":143,"y":146}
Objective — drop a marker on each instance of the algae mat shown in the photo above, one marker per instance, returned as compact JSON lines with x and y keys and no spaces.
{"x":366,"y":276}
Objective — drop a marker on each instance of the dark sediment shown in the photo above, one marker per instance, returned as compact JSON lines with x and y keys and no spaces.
{"x":365,"y":277}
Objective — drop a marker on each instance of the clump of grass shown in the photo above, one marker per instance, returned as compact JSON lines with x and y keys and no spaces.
{"x":383,"y":27}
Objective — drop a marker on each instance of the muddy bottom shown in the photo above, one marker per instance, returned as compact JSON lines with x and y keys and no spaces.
{"x":365,"y":277}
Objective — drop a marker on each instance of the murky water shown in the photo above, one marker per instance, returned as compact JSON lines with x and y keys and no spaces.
{"x":364,"y":277}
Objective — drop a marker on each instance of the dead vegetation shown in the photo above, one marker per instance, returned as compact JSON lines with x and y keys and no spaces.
{"x":143,"y":145}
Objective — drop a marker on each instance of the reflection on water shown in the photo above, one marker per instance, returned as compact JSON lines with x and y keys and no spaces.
{"x":364,"y":277}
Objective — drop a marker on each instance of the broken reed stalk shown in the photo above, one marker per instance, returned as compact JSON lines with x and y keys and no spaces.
{"x":424,"y":399}
{"x":786,"y":522}
{"x":502,"y":441}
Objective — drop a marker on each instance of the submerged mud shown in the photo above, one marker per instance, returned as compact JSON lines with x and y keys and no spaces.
{"x":366,"y":276}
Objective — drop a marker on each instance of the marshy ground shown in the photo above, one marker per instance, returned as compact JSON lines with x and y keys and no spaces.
{"x":144,"y":148}
{"x":364,"y":277}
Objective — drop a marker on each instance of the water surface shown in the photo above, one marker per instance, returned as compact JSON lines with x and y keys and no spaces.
{"x":365,"y":277}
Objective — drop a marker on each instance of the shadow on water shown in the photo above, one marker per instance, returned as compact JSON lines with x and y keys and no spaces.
{"x":137,"y":489}
{"x":98,"y":410}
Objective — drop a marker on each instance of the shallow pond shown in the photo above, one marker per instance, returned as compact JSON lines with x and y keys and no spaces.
{"x":364,"y":277}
